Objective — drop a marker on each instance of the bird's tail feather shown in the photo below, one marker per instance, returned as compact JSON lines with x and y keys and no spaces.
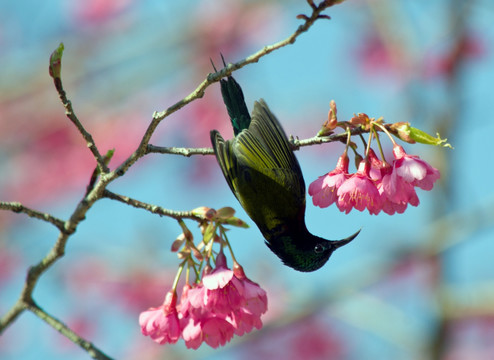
{"x":233,"y":97}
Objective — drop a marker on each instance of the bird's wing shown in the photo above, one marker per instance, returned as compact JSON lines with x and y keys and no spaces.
{"x":226,"y":159}
{"x":264,"y":147}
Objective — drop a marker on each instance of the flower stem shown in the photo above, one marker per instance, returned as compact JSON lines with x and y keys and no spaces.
{"x":348,"y":137}
{"x":229,"y":246}
{"x":179,"y":273}
{"x":211,"y":242}
{"x":187,"y":275}
{"x":368,"y":144}
{"x":383,"y":128}
{"x":197,"y":272}
{"x":363,"y":140}
{"x":379,"y":145}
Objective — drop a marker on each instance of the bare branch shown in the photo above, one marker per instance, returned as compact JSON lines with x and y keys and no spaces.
{"x":295,"y":143}
{"x":19,"y":208}
{"x":316,"y":140}
{"x":69,"y":111}
{"x":55,"y":72}
{"x":11,"y":315}
{"x":100,"y":180}
{"x":188,"y":152}
{"x":217,"y":76}
{"x":63,"y":329}
{"x":151,"y":208}
{"x":56,"y":252}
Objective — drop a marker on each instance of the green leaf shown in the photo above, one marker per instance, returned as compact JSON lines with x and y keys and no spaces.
{"x":235,"y":221}
{"x":411,"y":135}
{"x":209,"y":232}
{"x":225,"y":212}
{"x":424,"y":138}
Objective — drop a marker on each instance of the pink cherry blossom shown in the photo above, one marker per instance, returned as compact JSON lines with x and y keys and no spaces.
{"x":161,"y":323}
{"x":397,"y":190}
{"x":359,"y":192}
{"x":244,"y":321}
{"x":377,"y":167}
{"x":223,"y":304}
{"x":200,"y":322}
{"x":192,"y":333}
{"x":256,"y":300}
{"x":217,"y":331}
{"x":413,"y":170}
{"x":324,"y":189}
{"x":207,"y":327}
{"x":223,"y":292}
{"x":396,"y":194}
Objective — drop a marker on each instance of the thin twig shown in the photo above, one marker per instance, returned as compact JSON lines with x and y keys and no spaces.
{"x":97,"y":188}
{"x":19,"y":208}
{"x":63,"y":329}
{"x":151,"y":208}
{"x":316,"y":140}
{"x":187,"y":152}
{"x":294,"y":142}
{"x":11,"y":315}
{"x":217,"y":76}
{"x":69,"y":112}
{"x":56,"y":252}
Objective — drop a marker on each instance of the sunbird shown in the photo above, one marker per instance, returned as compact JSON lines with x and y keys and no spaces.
{"x":265,"y":177}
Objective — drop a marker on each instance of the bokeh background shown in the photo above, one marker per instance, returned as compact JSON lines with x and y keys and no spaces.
{"x":414,"y":286}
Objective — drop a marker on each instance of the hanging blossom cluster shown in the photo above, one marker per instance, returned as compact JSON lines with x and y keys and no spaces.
{"x":219,"y":304}
{"x":377,"y":185}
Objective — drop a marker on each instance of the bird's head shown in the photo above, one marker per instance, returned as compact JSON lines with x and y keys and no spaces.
{"x":308,"y":254}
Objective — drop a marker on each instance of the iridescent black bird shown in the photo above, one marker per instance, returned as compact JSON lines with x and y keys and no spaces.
{"x":263,"y":173}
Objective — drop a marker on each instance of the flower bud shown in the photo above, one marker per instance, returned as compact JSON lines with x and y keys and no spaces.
{"x":204,"y":212}
{"x":360,"y":120}
{"x":178,"y":242}
{"x":402,"y":130}
{"x":55,"y":67}
{"x":330,"y":124}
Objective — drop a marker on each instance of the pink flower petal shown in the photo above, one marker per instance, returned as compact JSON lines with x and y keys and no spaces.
{"x":192,"y":334}
{"x":414,"y":170}
{"x":217,"y":332}
{"x":359,"y":192}
{"x":218,"y":278}
{"x":160,"y":325}
{"x":324,"y":189}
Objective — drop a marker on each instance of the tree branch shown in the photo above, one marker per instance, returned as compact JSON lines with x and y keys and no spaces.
{"x":56,"y":252}
{"x":11,"y":315}
{"x":142,"y":149}
{"x":69,"y":112}
{"x":63,"y":329}
{"x":97,"y":187}
{"x":295,"y":143}
{"x":19,"y":208}
{"x":187,"y":152}
{"x":151,"y":208}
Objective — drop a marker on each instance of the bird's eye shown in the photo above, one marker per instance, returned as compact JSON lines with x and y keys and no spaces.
{"x":318,"y":249}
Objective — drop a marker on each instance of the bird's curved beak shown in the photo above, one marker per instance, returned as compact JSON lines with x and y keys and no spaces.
{"x":340,"y":243}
